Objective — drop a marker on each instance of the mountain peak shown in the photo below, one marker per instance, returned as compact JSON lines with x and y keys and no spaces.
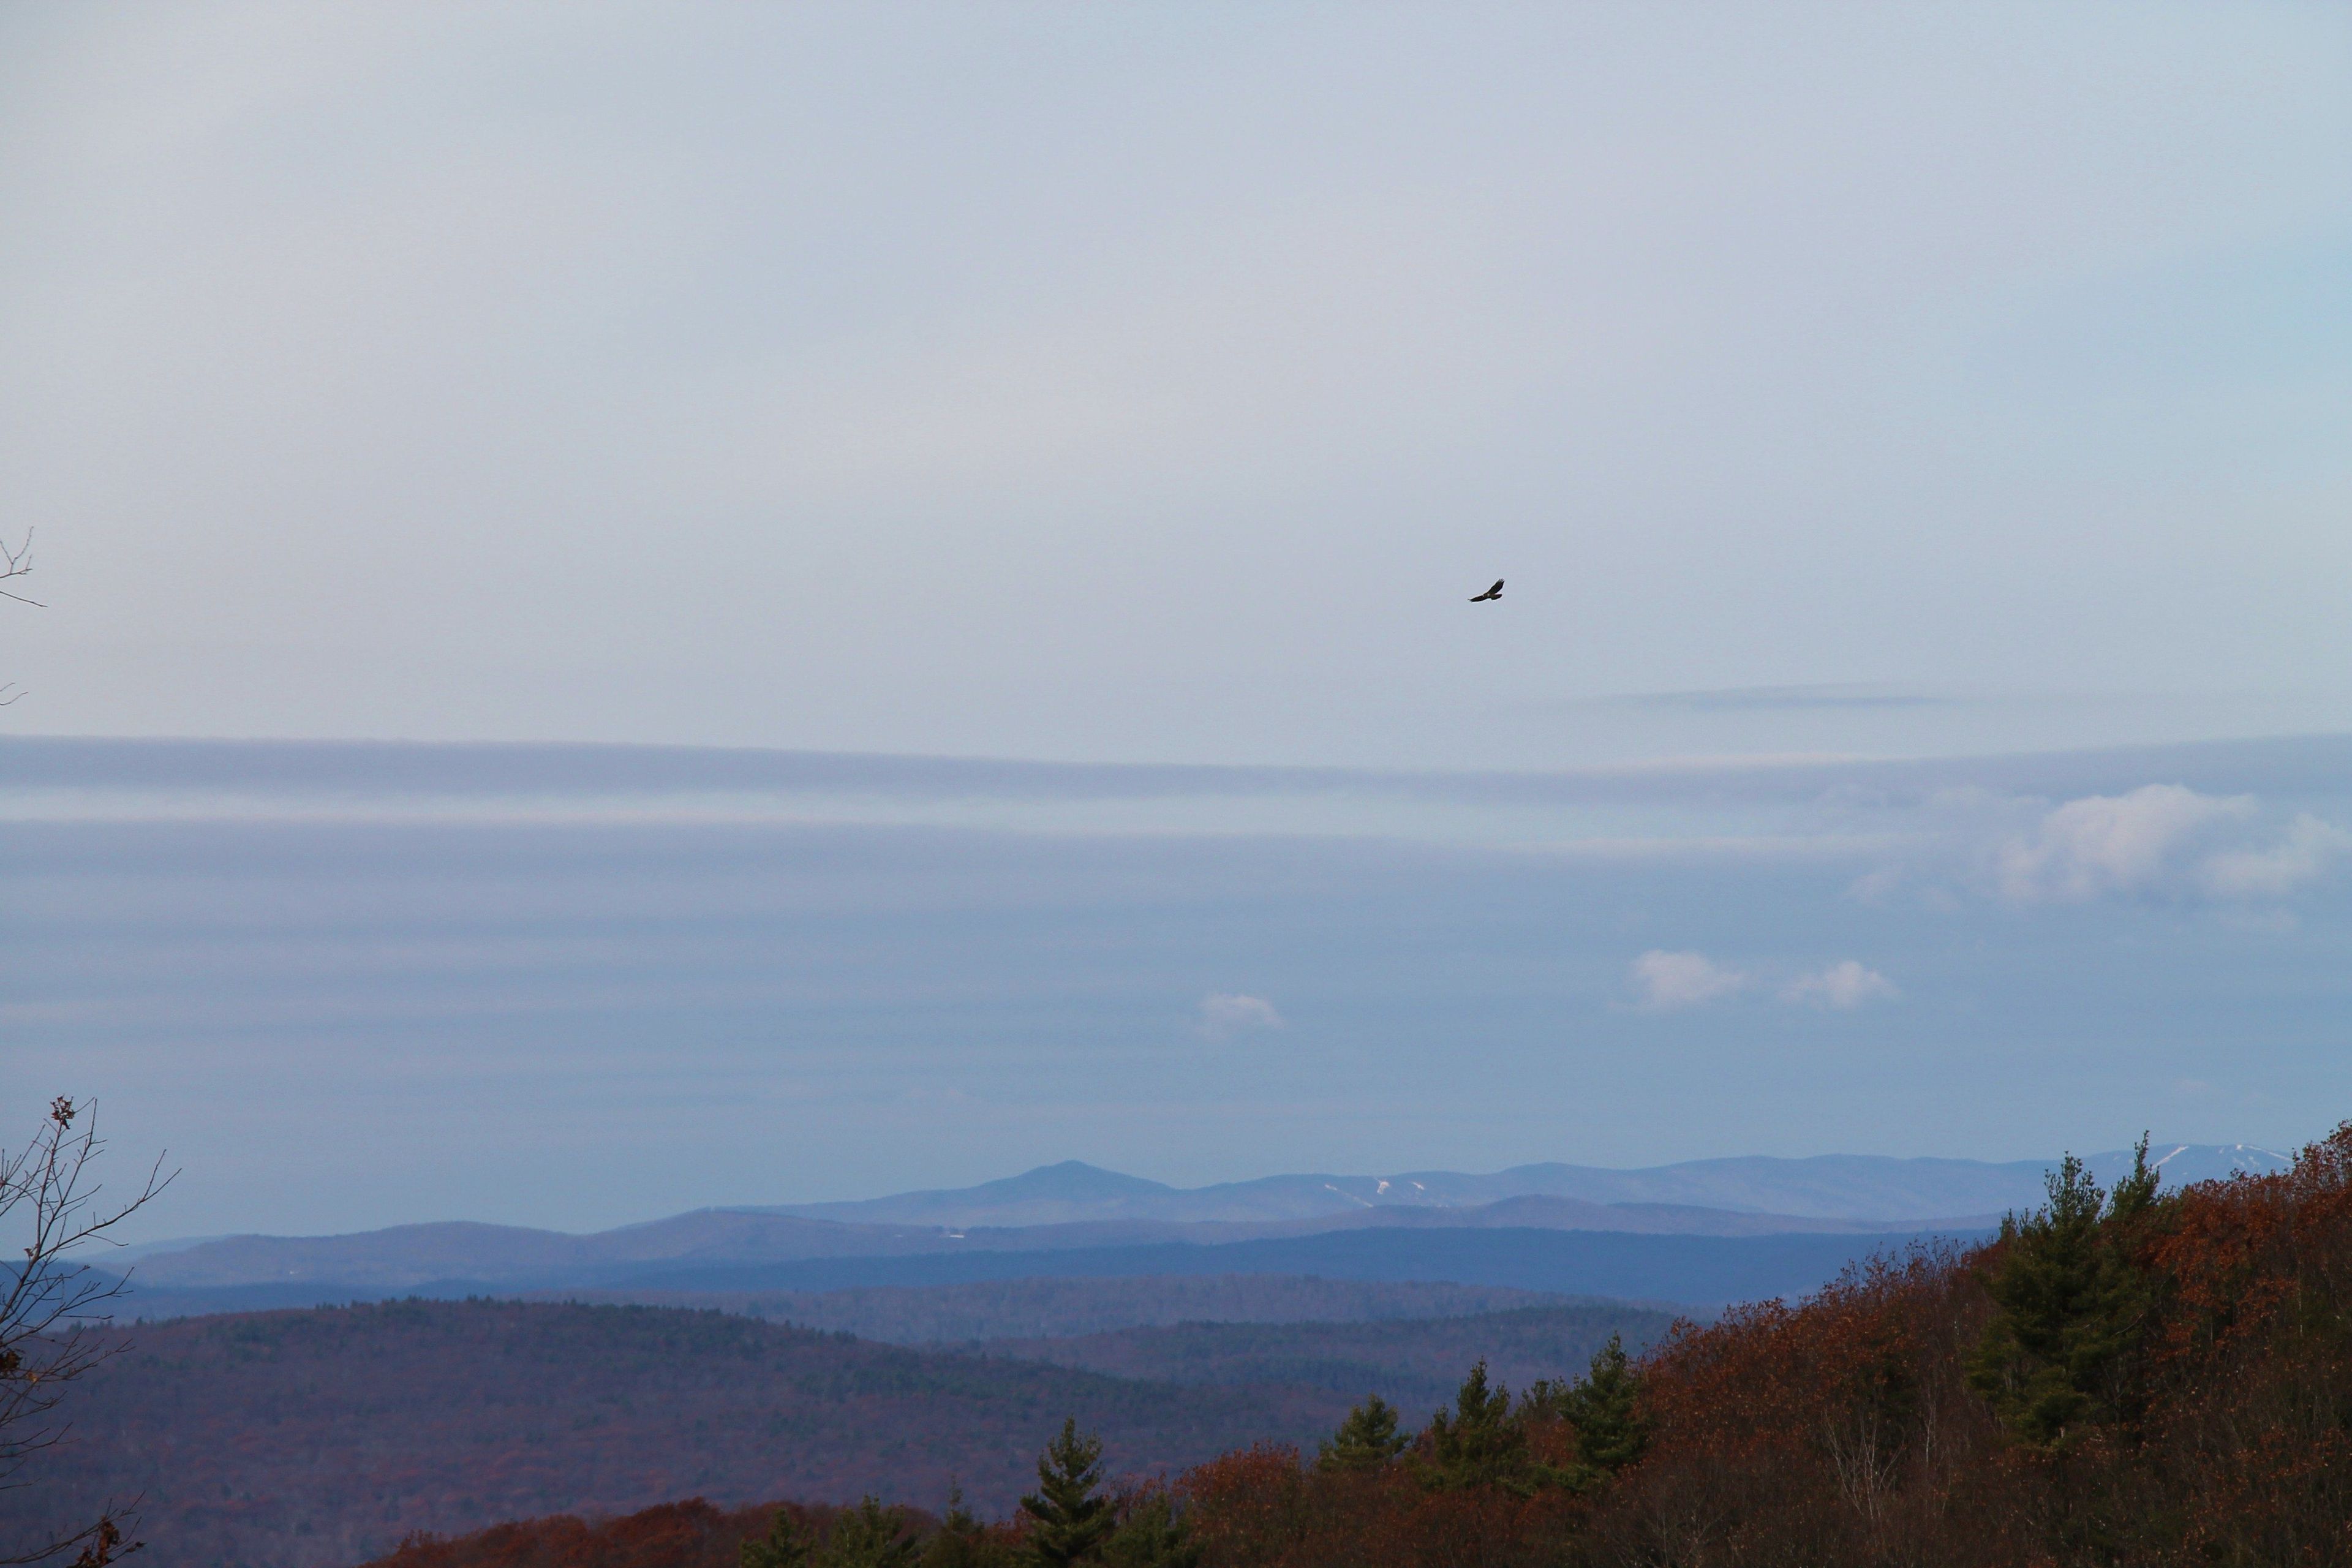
{"x":1073,"y":1180}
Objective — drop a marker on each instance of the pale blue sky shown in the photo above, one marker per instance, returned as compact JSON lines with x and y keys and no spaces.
{"x":1154,"y":384}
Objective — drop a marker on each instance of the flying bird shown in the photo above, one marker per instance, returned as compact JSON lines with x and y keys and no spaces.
{"x":1493,"y":593}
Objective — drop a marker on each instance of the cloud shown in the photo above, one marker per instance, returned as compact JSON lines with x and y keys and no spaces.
{"x":1844,"y":986}
{"x":1669,"y":981}
{"x":1672,"y":980}
{"x":2309,"y":851}
{"x":2161,"y":839}
{"x":2103,"y":844}
{"x":1222,"y":1015}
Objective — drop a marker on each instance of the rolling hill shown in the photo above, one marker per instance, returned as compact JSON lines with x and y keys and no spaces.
{"x":310,"y":1438}
{"x":1050,"y":1309}
{"x":1415,"y":1365}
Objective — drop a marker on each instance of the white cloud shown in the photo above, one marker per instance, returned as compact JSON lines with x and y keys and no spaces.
{"x":2307,"y":852}
{"x":2163,"y":839}
{"x":1844,"y":985}
{"x":1222,"y":1015}
{"x":2159,"y":841}
{"x":2110,"y":844}
{"x":1671,"y":980}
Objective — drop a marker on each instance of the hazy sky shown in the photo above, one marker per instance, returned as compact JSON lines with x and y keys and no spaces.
{"x":1958,"y":397}
{"x":1156,"y":382}
{"x":356,"y":985}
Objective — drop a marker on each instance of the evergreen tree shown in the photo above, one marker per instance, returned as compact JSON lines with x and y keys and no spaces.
{"x":1605,"y":1409}
{"x":868,"y":1536}
{"x":1071,"y":1520}
{"x":787,"y":1545}
{"x":962,"y":1542}
{"x":2135,"y":1195}
{"x":1366,"y":1441}
{"x":1151,"y":1536}
{"x":2072,"y":1305}
{"x":1480,"y":1444}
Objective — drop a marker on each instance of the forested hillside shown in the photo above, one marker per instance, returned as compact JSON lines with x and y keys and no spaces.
{"x":308,"y":1438}
{"x":1413,"y":1365}
{"x":1054,"y":1309}
{"x":2123,"y":1379}
{"x":1030,"y":1308}
{"x":314,"y":1437}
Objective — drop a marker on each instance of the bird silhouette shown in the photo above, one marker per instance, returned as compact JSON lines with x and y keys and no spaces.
{"x":1493,"y":593}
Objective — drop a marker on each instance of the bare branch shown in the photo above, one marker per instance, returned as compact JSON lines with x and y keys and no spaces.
{"x":17,"y":562}
{"x":102,"y":1542}
{"x":14,"y":563}
{"x":53,"y":1326}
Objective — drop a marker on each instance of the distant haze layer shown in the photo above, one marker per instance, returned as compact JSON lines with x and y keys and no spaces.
{"x":352,"y":987}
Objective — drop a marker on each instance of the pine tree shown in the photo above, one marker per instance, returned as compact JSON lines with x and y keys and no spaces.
{"x":2071,"y":1305}
{"x":962,"y":1542}
{"x":1479,"y":1444}
{"x":868,"y":1536}
{"x":2135,"y":1195}
{"x":1366,"y":1441}
{"x":1606,"y":1411}
{"x":1151,"y":1536}
{"x":1071,"y":1520}
{"x":787,"y":1545}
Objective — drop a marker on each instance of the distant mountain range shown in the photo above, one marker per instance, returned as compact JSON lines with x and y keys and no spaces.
{"x":1710,"y":1231}
{"x":1875,"y":1191}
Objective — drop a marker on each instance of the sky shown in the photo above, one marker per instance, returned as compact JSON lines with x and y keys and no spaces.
{"x":351,"y":984}
{"x":1156,"y":384}
{"x":1124,"y":403}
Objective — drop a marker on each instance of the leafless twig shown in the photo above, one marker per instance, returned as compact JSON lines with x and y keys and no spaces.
{"x":54,"y":1322}
{"x":17,"y":562}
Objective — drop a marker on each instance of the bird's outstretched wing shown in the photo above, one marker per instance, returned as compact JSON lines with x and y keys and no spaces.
{"x":1493,"y":593}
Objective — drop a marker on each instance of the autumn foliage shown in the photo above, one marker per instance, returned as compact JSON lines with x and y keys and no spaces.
{"x":2122,"y":1379}
{"x":696,"y":1534}
{"x":691,"y":1534}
